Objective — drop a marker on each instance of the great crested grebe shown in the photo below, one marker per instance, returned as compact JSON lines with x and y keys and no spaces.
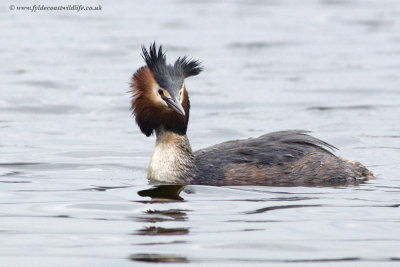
{"x":161,"y":104}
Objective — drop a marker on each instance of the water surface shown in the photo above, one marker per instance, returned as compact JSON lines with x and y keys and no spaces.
{"x":73,"y":162}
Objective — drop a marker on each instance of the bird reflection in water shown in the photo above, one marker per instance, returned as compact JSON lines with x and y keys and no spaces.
{"x":161,"y":193}
{"x":152,"y":257}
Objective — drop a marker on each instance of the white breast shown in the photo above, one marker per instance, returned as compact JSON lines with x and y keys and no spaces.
{"x":163,"y":164}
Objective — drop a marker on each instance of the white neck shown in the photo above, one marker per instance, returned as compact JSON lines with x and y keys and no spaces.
{"x":172,"y":160}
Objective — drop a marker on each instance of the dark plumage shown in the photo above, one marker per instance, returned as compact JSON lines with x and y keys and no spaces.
{"x":169,"y":76}
{"x":279,"y":158}
{"x":161,"y":103}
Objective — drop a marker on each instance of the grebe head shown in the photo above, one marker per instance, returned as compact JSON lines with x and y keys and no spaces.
{"x":159,"y":94}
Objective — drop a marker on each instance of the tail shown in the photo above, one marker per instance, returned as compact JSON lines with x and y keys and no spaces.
{"x":359,"y":170}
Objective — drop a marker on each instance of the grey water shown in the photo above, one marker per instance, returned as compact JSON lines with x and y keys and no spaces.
{"x":73,"y":187}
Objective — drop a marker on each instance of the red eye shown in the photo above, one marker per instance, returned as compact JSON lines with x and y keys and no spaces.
{"x":160,"y":92}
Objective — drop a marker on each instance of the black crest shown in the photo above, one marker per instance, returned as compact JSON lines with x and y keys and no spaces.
{"x":156,"y":61}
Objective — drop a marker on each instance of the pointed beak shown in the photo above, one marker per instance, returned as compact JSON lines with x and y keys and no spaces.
{"x":175,"y":105}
